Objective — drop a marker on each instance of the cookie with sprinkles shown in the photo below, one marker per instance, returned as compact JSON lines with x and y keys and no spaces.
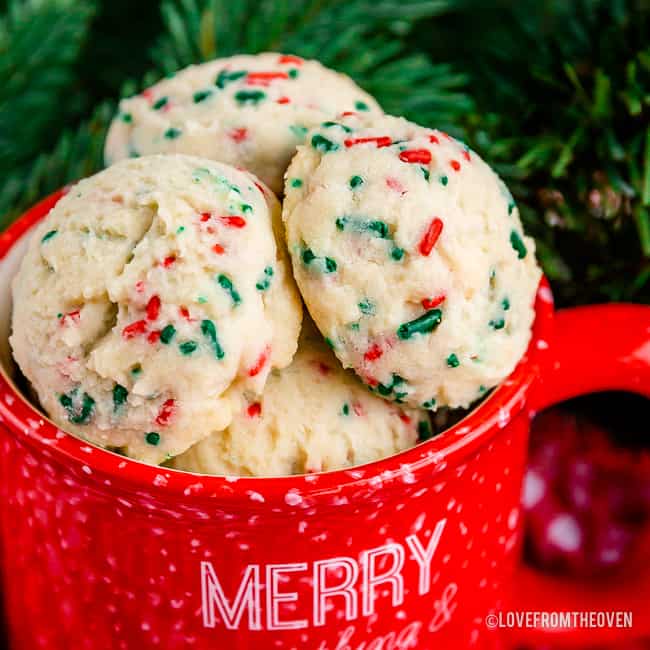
{"x":313,"y":416}
{"x":249,"y":111}
{"x":411,"y":258}
{"x":138,"y":310}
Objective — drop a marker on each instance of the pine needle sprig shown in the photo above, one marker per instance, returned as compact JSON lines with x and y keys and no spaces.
{"x":78,"y":153}
{"x":40,"y":41}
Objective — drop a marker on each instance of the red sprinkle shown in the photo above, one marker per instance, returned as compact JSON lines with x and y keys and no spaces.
{"x":264,"y":78}
{"x":358,"y":409}
{"x":290,"y":58}
{"x":139,"y":286}
{"x":166,"y":412}
{"x":185,"y":313}
{"x":430,"y":237}
{"x":74,"y":316}
{"x":153,"y":308}
{"x":260,"y":363}
{"x":148,"y":95}
{"x":381,"y":141}
{"x":348,"y":113}
{"x":168,"y":261}
{"x":254,"y":410}
{"x":154,"y":336}
{"x":238,"y":135}
{"x":405,"y":418}
{"x":431,"y":303}
{"x":394,"y":184}
{"x":218,"y":249}
{"x":233,"y":222}
{"x":283,"y":100}
{"x":466,"y":155}
{"x":132,"y":330}
{"x":373,"y":353}
{"x":455,"y":165}
{"x":415,"y":156}
{"x":434,"y":139}
{"x":205,"y":216}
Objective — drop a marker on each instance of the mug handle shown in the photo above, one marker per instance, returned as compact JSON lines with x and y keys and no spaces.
{"x":594,"y":348}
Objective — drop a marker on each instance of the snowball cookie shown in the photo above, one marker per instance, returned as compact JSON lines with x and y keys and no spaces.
{"x":249,"y":111}
{"x":410,"y":256}
{"x":313,"y":416}
{"x":151,"y":295}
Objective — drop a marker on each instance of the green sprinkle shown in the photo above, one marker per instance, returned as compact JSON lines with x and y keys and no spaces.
{"x":78,"y":413}
{"x":299,"y":131}
{"x":354,"y":326}
{"x":505,"y":304}
{"x":373,"y":226}
{"x":424,"y":430}
{"x":444,"y":180}
{"x":246,"y":208}
{"x":429,"y":404}
{"x":329,"y":265}
{"x":167,"y":334}
{"x":329,"y":342}
{"x":452,"y":361}
{"x":201,"y":95}
{"x":127,"y":118}
{"x":329,"y":125}
{"x":308,"y":256}
{"x":296,"y":182}
{"x":172,"y":133}
{"x":188,"y":347}
{"x":497,"y":324}
{"x":59,"y":315}
{"x":119,"y":396}
{"x":481,"y":389}
{"x":136,"y":370}
{"x":355,"y":182}
{"x":518,"y":244}
{"x":159,"y":103}
{"x":384,"y":390}
{"x":201,"y":300}
{"x":361,"y":106}
{"x":265,"y":282}
{"x":209,"y":330}
{"x":293,"y":73}
{"x":425,"y":173}
{"x":226,"y":283}
{"x":366,"y":307}
{"x":253,"y":97}
{"x":424,"y":324}
{"x":397,"y":254}
{"x":225,"y":77}
{"x":321,"y":143}
{"x":153,"y":438}
{"x":346,"y":409}
{"x":49,"y":236}
{"x":180,"y":230}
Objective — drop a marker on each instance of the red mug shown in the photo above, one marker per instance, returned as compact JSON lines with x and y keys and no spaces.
{"x":412,"y":551}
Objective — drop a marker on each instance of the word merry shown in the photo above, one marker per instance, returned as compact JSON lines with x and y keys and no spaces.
{"x":355,"y":586}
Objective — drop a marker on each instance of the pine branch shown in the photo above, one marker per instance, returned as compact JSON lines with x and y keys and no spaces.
{"x":568,"y":129}
{"x":40,"y":42}
{"x":77,"y":154}
{"x":367,"y":40}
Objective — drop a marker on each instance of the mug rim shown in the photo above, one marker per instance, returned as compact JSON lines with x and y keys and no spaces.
{"x":483,"y":422}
